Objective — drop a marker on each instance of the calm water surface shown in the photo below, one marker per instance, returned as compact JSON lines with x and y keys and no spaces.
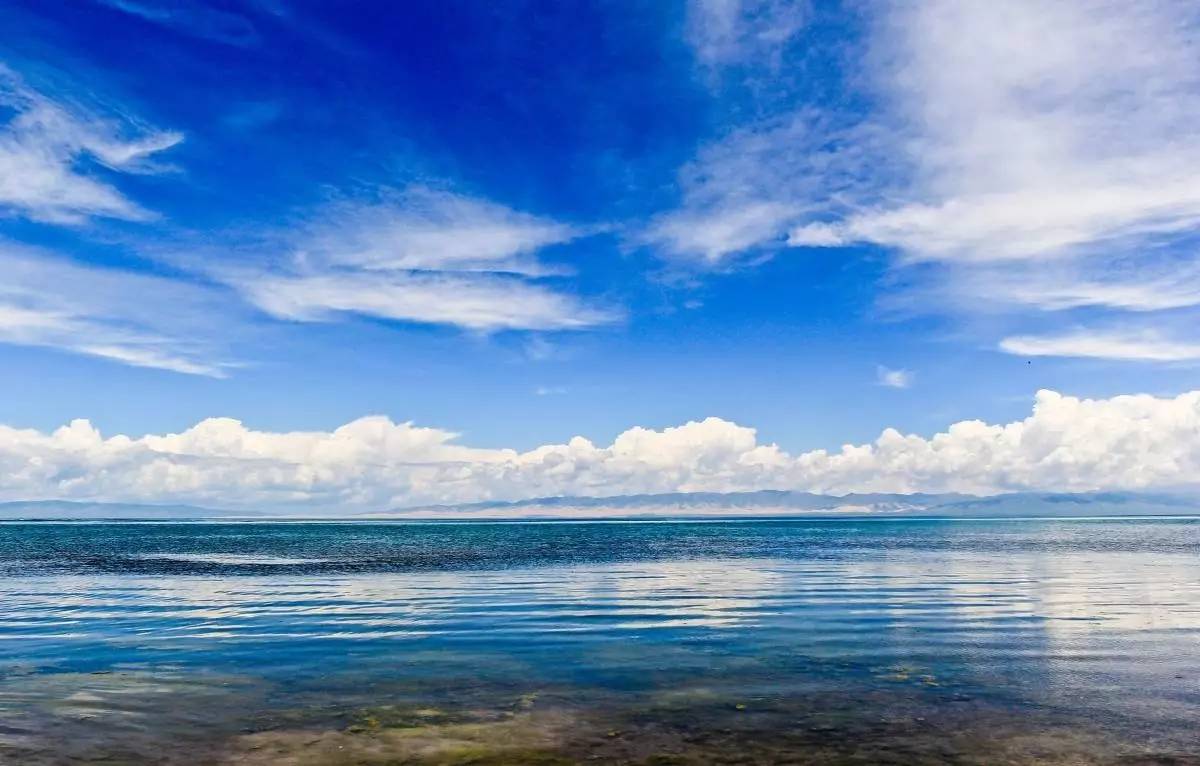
{"x":642,"y":643}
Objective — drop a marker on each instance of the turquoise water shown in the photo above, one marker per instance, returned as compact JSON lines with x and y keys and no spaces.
{"x":683,"y":642}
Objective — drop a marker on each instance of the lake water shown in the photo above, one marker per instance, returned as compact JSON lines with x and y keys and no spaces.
{"x":847,"y":641}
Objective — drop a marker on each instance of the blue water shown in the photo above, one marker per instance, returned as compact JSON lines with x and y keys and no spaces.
{"x":1047,"y":624}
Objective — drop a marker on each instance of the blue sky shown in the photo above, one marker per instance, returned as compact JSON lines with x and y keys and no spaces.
{"x":522,"y":222}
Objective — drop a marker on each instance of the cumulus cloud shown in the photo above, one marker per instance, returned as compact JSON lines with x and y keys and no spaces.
{"x":419,"y":255}
{"x":1066,"y":444}
{"x":51,"y":152}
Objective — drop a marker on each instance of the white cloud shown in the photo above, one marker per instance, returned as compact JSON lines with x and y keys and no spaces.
{"x":745,"y":190}
{"x":1119,"y":284}
{"x":134,"y":319}
{"x":193,"y":18}
{"x":46,"y":147}
{"x":140,"y":356}
{"x":421,"y":229}
{"x":1007,"y":155}
{"x":1147,"y":346}
{"x":417,"y":255}
{"x":1066,"y":444}
{"x":816,"y":235}
{"x":893,"y":378}
{"x":478,"y":302}
{"x":1040,"y":155}
{"x":732,"y":31}
{"x":715,"y":233}
{"x":1035,"y":132}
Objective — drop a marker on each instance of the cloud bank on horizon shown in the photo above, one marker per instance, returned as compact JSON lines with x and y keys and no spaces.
{"x":1066,"y":444}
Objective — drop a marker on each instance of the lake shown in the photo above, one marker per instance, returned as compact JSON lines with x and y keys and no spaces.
{"x":760,"y":641}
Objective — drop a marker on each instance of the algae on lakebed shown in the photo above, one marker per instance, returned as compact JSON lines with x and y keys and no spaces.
{"x":137,"y":717}
{"x":125,"y":716}
{"x":698,"y":726}
{"x":525,"y":738}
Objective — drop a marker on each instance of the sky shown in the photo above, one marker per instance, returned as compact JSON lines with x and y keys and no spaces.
{"x":276,"y":254}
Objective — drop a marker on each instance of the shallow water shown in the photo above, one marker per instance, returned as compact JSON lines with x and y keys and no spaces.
{"x":741,"y":642}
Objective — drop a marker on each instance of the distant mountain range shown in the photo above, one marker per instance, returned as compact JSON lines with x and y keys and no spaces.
{"x":769,"y":503}
{"x":64,"y":509}
{"x":788,"y":503}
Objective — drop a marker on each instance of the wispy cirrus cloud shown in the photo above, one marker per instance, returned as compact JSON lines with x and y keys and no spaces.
{"x":1030,"y":132}
{"x":732,"y":31}
{"x":1037,"y":132}
{"x":423,"y":229}
{"x":474,"y":302}
{"x":418,"y":255}
{"x":194,"y":18}
{"x":129,"y":318}
{"x":1123,"y":283}
{"x":712,"y":234}
{"x":744,"y":191}
{"x":1140,"y":346}
{"x":55,"y":154}
{"x":886,"y":376}
{"x":1007,"y":155}
{"x":1043,"y":156}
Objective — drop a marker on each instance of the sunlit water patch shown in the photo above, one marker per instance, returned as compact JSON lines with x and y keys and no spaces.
{"x":1037,"y":641}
